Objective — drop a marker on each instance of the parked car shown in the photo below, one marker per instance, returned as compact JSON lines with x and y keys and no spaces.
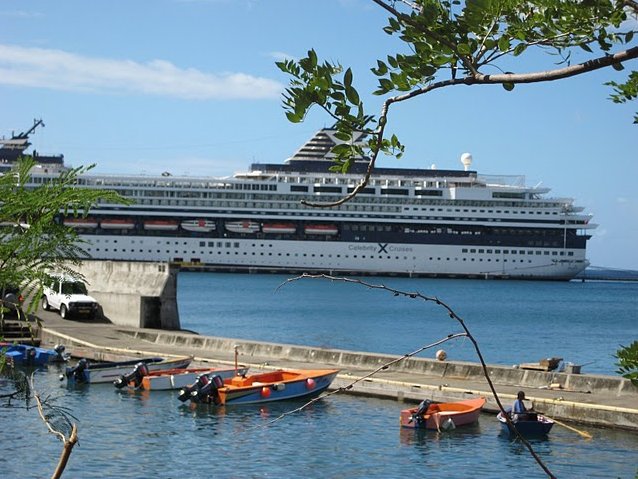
{"x":69,"y":296}
{"x":11,"y":301}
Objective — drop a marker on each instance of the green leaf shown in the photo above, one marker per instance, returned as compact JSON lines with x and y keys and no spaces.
{"x":503,"y":44}
{"x":463,"y":49}
{"x":347,"y":78}
{"x":352,"y":95}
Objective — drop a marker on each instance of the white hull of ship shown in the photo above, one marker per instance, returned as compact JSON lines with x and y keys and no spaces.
{"x":338,"y":256}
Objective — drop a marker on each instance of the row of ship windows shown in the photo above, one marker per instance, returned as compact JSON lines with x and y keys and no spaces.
{"x":292,"y":201}
{"x":505,"y":251}
{"x":235,"y":244}
{"x":348,"y":207}
{"x":303,"y":255}
{"x":458,"y":210}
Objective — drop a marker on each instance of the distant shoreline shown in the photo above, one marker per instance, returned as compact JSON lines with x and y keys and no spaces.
{"x":607,"y":274}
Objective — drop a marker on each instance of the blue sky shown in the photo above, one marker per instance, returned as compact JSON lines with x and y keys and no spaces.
{"x":190,"y":87}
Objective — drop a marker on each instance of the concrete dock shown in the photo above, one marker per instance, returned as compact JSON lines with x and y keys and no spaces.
{"x":597,"y":400}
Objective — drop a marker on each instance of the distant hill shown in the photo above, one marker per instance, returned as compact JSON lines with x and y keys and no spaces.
{"x":598,"y":273}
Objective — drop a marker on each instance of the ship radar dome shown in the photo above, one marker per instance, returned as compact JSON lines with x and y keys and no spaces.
{"x":466,"y":159}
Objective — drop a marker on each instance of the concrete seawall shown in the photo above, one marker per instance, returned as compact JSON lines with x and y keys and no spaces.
{"x":133,"y":293}
{"x":610,"y":401}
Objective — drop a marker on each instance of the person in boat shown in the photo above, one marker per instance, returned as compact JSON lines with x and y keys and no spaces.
{"x":520,"y":412}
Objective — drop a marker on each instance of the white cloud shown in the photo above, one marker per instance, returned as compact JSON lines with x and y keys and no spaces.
{"x":59,"y":70}
{"x":281,"y":56}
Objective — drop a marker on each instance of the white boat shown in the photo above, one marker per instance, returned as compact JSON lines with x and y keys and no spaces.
{"x":171,"y":379}
{"x":117,"y":224}
{"x":160,"y":225}
{"x":278,"y":228}
{"x":91,"y":373}
{"x":321,"y":230}
{"x":242,"y":226}
{"x":80,"y":222}
{"x":411,"y":222}
{"x":199,"y":226}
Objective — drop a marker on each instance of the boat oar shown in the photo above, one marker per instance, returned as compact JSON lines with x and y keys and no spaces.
{"x":584,"y":434}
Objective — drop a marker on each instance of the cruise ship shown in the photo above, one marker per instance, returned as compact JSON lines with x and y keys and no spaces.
{"x":405,"y":222}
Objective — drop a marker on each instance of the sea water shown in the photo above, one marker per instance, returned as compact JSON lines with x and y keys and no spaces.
{"x":152,"y":435}
{"x":514,"y":322}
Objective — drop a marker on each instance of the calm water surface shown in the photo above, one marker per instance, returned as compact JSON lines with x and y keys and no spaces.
{"x":141,"y":435}
{"x":513,"y":321}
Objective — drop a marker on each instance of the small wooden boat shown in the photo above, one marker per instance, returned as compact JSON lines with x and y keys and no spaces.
{"x":117,"y":224}
{"x":260,"y":388}
{"x":160,"y":225}
{"x":199,"y":226}
{"x":85,"y":372}
{"x":278,"y":228}
{"x":142,"y":378}
{"x":446,"y":415}
{"x":25,"y":355}
{"x":528,"y":424}
{"x":81,"y":222}
{"x":324,"y":230}
{"x":242,"y":226}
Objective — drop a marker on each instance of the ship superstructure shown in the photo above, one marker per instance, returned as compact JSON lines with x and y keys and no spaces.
{"x":414,"y":222}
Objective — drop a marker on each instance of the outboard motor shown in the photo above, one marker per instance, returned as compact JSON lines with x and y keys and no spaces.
{"x":79,"y":373}
{"x":203,"y":390}
{"x":186,"y":392}
{"x":421,"y":410}
{"x":29,"y":355}
{"x":208,"y":393}
{"x":134,"y":377}
{"x":60,"y":356}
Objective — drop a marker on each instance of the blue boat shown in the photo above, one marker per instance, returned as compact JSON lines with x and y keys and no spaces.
{"x":259,"y":388}
{"x":528,"y":425}
{"x":25,"y":355}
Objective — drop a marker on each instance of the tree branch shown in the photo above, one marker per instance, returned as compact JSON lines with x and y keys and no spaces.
{"x":478,"y":79}
{"x":452,"y":315}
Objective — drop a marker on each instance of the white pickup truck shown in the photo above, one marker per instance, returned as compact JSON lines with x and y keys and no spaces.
{"x":70,"y":297}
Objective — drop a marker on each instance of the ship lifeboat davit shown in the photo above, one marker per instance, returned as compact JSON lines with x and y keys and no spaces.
{"x":324,"y":230}
{"x":160,"y":225}
{"x":198,"y":226}
{"x":117,"y":224}
{"x":242,"y":226}
{"x":279,"y":228}
{"x":81,"y":222}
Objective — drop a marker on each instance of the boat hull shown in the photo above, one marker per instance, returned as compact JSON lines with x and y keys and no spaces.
{"x":276,"y":386}
{"x":109,"y":372}
{"x":541,"y":427}
{"x":21,"y":354}
{"x":199,"y":226}
{"x":173,"y":379}
{"x":443,"y":415}
{"x":338,"y":257}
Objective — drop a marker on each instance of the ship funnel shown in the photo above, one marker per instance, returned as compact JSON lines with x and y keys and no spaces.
{"x":466,"y":159}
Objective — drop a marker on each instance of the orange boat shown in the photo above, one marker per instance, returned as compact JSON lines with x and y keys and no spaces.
{"x":163,"y":380}
{"x":278,"y":228}
{"x":321,"y":230}
{"x":445,"y":415}
{"x":117,"y":223}
{"x":262,"y":387}
{"x":80,"y":222}
{"x":160,"y":225}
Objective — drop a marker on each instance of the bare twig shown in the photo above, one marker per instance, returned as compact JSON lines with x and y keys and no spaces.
{"x":454,"y":316}
{"x":363,"y":378}
{"x":69,"y":442}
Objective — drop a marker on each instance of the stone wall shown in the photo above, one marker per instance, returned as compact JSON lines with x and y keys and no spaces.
{"x":138,"y":294}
